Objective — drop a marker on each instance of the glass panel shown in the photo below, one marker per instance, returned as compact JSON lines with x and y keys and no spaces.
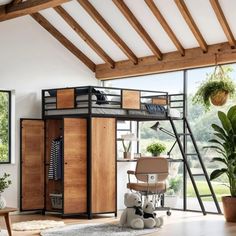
{"x":166,"y":82}
{"x":200,"y":122}
{"x":4,"y":127}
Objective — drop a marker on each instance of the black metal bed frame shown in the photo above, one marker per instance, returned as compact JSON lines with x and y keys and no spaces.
{"x":171,"y":101}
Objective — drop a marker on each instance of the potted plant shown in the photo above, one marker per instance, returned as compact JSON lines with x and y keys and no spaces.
{"x":4,"y":184}
{"x":156,"y":148}
{"x":216,"y":89}
{"x":126,"y":142}
{"x":173,"y":191}
{"x":225,"y":145}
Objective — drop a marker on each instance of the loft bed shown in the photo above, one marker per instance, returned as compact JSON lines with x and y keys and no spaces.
{"x":111,"y":102}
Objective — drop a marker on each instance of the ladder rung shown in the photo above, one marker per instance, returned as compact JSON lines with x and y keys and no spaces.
{"x":206,"y":195}
{"x":198,"y":174}
{"x":176,"y":107}
{"x":191,"y":154}
{"x":184,"y":134}
{"x":177,"y":101}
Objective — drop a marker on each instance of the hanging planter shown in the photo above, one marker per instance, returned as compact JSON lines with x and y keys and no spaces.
{"x":216,"y":89}
{"x":220,"y":98}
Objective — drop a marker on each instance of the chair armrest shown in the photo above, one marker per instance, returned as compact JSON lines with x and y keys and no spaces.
{"x":131,"y":172}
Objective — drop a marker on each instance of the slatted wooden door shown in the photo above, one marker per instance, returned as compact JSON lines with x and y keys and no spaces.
{"x":32,"y":164}
{"x":75,"y":165}
{"x":103,"y":165}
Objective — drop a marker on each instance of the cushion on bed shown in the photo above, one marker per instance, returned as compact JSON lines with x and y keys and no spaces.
{"x":153,"y":108}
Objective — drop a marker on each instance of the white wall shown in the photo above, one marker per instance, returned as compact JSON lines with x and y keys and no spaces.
{"x":30,"y":60}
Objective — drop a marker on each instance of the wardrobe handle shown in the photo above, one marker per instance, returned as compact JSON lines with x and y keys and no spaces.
{"x":66,"y":163}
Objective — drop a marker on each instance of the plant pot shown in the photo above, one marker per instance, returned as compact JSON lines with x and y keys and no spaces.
{"x":127,"y":155}
{"x":156,"y":154}
{"x":229,"y":205}
{"x":219,"y":98}
{"x":2,"y":202}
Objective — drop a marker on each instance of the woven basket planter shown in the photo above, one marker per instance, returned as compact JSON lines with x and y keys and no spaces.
{"x":219,"y":98}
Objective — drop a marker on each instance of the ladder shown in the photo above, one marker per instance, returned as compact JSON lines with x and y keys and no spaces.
{"x":188,"y":132}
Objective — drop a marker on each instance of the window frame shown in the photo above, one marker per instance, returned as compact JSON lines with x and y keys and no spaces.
{"x":9,"y":125}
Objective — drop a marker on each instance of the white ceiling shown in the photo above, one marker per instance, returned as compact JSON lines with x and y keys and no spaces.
{"x":200,"y":10}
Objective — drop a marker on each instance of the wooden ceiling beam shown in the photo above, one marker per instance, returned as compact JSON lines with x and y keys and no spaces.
{"x":11,"y":11}
{"x":63,"y":40}
{"x":223,"y":22}
{"x":138,"y":27}
{"x":192,"y":25}
{"x":152,"y":6}
{"x":84,"y":35}
{"x":172,"y":61}
{"x":108,"y":30}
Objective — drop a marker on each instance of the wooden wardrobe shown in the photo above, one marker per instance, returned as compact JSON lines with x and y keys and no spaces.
{"x":88,"y":183}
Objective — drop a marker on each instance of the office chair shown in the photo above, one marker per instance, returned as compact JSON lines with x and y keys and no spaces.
{"x":151,"y":174}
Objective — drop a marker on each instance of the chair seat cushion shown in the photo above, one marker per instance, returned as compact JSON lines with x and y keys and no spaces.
{"x":144,"y":187}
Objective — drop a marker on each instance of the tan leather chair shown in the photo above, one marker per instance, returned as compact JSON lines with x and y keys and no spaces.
{"x":151,"y":174}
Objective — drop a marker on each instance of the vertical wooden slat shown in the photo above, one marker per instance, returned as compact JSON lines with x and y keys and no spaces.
{"x":32,"y":164}
{"x":75,"y":165}
{"x":103,"y":165}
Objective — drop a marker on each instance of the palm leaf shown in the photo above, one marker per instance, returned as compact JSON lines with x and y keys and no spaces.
{"x":231,"y":113}
{"x":217,"y":173}
{"x":225,"y":121}
{"x":219,"y":159}
{"x":218,"y":129}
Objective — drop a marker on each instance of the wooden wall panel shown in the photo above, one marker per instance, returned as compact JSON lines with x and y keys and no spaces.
{"x":130,"y":99}
{"x":159,"y":101}
{"x":53,"y":130}
{"x":103,"y":165}
{"x":65,"y":98}
{"x":75,"y":165}
{"x":32,"y":189}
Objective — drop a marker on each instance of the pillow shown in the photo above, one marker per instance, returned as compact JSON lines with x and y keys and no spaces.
{"x":101,"y":98}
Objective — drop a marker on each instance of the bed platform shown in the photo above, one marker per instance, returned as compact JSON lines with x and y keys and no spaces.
{"x":111,"y":102}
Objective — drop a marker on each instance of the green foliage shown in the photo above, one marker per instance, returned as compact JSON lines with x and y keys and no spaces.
{"x":156,"y":148}
{"x":4,"y":126}
{"x":174,"y":185}
{"x":220,"y":80}
{"x":3,"y":152}
{"x":126,"y":148}
{"x":225,"y":145}
{"x":4,"y":182}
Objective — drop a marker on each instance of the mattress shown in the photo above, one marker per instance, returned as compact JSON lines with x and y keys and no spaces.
{"x":110,"y":111}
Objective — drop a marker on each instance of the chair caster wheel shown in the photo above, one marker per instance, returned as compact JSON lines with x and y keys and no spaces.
{"x":168,"y":213}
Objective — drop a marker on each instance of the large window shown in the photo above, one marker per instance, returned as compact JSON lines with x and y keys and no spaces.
{"x":5,"y":116}
{"x":200,"y":123}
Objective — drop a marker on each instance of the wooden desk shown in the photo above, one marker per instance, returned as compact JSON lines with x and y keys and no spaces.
{"x":5,"y":212}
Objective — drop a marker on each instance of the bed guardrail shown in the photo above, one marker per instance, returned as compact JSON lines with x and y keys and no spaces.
{"x":88,"y":99}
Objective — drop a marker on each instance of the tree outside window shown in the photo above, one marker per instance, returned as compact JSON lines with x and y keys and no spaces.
{"x":4,"y":126}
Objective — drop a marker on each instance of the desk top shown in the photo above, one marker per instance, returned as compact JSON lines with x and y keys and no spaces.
{"x":7,"y":210}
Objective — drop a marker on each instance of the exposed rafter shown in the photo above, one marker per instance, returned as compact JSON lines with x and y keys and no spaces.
{"x":138,"y":27}
{"x":223,"y":22}
{"x":107,"y":28}
{"x":164,"y":24}
{"x":11,"y":11}
{"x":171,"y":62}
{"x":63,"y":40}
{"x":84,"y":35}
{"x":192,"y":25}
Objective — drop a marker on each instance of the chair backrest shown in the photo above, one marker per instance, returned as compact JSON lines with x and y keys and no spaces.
{"x":152,"y":165}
